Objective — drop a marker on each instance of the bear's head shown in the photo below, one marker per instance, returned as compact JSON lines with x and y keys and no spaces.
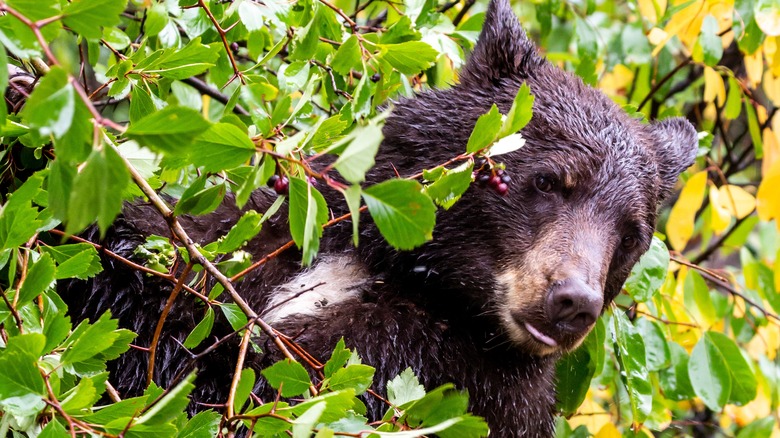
{"x":547,"y":258}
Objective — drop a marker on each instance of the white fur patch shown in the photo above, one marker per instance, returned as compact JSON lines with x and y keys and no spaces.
{"x":332,"y":280}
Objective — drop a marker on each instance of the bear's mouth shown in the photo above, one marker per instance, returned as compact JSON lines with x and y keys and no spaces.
{"x":539,"y":336}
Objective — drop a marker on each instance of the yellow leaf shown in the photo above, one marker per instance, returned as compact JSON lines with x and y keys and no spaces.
{"x":714,"y":86}
{"x":685,"y":24}
{"x":771,"y":84}
{"x":608,"y":431}
{"x":754,"y":65}
{"x":767,"y":16}
{"x":651,"y":8}
{"x":719,"y":216}
{"x":657,"y":36}
{"x":596,"y":416}
{"x":771,"y":146}
{"x":679,"y":227}
{"x":738,"y":202}
{"x":768,"y":197}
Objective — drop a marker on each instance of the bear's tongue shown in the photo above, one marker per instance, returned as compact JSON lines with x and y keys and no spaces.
{"x":539,"y":336}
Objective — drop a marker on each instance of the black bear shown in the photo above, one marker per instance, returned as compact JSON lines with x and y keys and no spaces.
{"x":506,"y":285}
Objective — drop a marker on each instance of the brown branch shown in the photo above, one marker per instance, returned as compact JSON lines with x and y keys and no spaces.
{"x":223,"y":36}
{"x":161,"y":322}
{"x":663,"y":80}
{"x":215,"y":94}
{"x":239,"y":367}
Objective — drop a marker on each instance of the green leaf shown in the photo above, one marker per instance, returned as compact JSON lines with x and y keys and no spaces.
{"x":97,"y":190}
{"x":222,"y":146}
{"x":85,"y":394}
{"x":485,"y":131}
{"x":709,"y":374}
{"x":520,"y":113}
{"x":290,"y":376}
{"x":54,"y":429}
{"x":404,"y":216}
{"x":235,"y":316}
{"x":18,"y":217}
{"x":352,"y":197}
{"x":303,"y":425}
{"x":251,"y":15}
{"x":201,"y":330}
{"x":347,"y":57}
{"x":630,"y":351}
{"x":338,"y":358}
{"x":87,"y":340}
{"x":51,"y":107}
{"x":170,"y":130}
{"x":656,"y":347}
{"x":743,"y":381}
{"x":733,"y":107}
{"x":171,"y":405}
{"x":181,"y":63}
{"x":404,"y":388}
{"x":39,"y":276}
{"x":247,"y":227}
{"x":355,"y":376}
{"x":88,"y":16}
{"x":245,"y":384}
{"x":308,"y":213}
{"x":410,"y":57}
{"x":573,"y":375}
{"x":21,"y":384}
{"x":674,"y":380}
{"x":709,"y":47}
{"x":754,"y":129}
{"x":79,"y":260}
{"x":760,"y":428}
{"x":448,"y":188}
{"x":199,"y":199}
{"x":649,"y":274}
{"x":358,"y":157}
{"x":203,"y":425}
{"x":697,"y":288}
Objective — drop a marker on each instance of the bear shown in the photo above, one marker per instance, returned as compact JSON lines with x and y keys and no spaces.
{"x":508,"y":283}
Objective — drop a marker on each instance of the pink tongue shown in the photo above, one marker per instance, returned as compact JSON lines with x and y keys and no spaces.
{"x":539,"y":336}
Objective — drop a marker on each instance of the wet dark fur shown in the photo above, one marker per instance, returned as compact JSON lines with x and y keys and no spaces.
{"x":436,"y":309}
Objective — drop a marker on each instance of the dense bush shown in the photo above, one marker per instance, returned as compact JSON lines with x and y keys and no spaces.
{"x":110,"y":100}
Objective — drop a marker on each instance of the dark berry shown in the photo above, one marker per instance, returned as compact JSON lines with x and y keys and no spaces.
{"x":272,"y":180}
{"x":502,"y":189}
{"x":483,"y":178}
{"x":500,"y":172}
{"x":375,"y":77}
{"x":480,"y":163}
{"x":312,"y":181}
{"x":234,"y":47}
{"x":494,"y":181}
{"x":281,"y":185}
{"x":505,"y":178}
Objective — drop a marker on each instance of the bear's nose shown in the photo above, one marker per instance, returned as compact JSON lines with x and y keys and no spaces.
{"x":573,"y":306}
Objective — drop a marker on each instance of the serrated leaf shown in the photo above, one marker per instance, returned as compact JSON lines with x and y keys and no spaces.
{"x":448,"y":188}
{"x":90,"y":339}
{"x":304,"y":424}
{"x":247,"y":227}
{"x":347,"y":57}
{"x":199,"y":199}
{"x":356,"y":376}
{"x":410,"y":57}
{"x":97,"y":190}
{"x":649,"y":274}
{"x":203,"y":425}
{"x":358,"y":157}
{"x":519,"y":114}
{"x":170,"y":130}
{"x":181,"y":63}
{"x":86,"y":17}
{"x":338,"y":358}
{"x":222,"y":146}
{"x":352,"y":196}
{"x":290,"y":376}
{"x":18,"y":217}
{"x":245,"y":384}
{"x":201,"y":330}
{"x":404,"y":216}
{"x":709,"y":374}
{"x":21,"y":384}
{"x":485,"y":131}
{"x":170,"y":406}
{"x":51,"y":107}
{"x":79,"y":260}
{"x":308,"y":213}
{"x":39,"y":276}
{"x":404,"y":388}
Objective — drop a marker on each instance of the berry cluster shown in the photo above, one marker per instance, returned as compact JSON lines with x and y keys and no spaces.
{"x":496,"y":179}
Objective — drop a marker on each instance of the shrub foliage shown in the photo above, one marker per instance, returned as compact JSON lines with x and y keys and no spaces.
{"x":111,"y":100}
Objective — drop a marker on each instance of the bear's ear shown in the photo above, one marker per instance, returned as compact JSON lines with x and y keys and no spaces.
{"x":675,"y":144}
{"x":502,"y":51}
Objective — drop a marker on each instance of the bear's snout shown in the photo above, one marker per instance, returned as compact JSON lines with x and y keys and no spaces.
{"x":573,"y":306}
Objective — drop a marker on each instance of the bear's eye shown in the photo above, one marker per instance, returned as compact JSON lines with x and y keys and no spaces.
{"x":629,"y":242}
{"x":545,"y":183}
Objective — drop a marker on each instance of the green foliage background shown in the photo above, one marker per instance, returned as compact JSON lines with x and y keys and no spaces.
{"x":109,"y":100}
